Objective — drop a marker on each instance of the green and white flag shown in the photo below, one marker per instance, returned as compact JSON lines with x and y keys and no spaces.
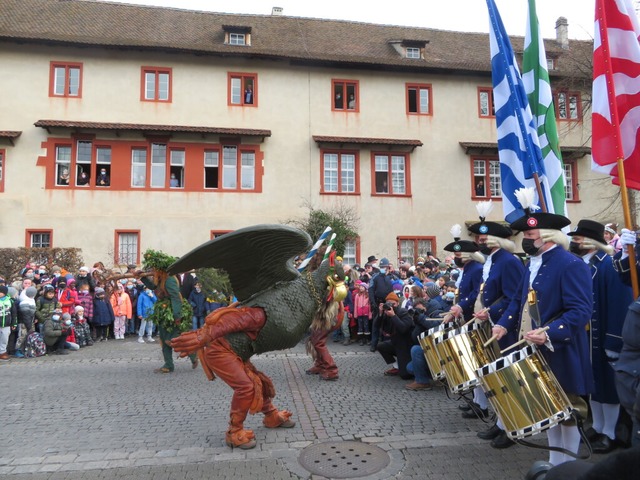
{"x":535,"y":78}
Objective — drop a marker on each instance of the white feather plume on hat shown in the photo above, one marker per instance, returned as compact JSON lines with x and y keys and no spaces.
{"x":456,"y":231}
{"x":526,"y":196}
{"x":484,"y":208}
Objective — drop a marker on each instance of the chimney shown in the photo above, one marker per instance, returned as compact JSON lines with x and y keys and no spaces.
{"x":562,"y":32}
{"x":276,"y":11}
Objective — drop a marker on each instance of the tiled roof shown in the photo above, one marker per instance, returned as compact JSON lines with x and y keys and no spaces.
{"x":296,"y":39}
{"x":575,"y":151}
{"x":150,"y":128}
{"x":367,"y":141}
{"x":9,"y":134}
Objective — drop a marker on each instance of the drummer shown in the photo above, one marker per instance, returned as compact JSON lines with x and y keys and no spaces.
{"x":469,"y":261}
{"x":555,"y":292}
{"x":610,"y":302}
{"x":501,"y":274}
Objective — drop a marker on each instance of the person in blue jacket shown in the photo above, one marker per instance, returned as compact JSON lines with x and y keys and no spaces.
{"x":627,"y":366}
{"x":561,"y":283}
{"x":611,"y":299}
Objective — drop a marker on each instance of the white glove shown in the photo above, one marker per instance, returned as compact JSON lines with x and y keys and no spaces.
{"x":627,"y":237}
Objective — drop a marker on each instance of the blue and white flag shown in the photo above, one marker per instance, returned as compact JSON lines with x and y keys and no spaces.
{"x":518,"y":147}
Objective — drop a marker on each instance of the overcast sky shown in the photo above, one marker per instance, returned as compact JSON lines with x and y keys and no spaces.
{"x":462,"y":15}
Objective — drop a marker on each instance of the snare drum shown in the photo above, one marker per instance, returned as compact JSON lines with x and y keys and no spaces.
{"x":427,"y":342}
{"x":524,"y":393}
{"x":462,"y":352}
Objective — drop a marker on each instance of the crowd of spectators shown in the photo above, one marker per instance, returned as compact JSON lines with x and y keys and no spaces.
{"x":55,"y":311}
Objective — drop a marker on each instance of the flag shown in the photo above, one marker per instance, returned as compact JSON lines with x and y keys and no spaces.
{"x":536,"y":83}
{"x":518,"y":148}
{"x":616,"y":91}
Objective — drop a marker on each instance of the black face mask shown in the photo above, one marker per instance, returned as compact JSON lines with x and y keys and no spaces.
{"x":529,"y":248}
{"x":484,"y":249}
{"x":458,"y":261}
{"x":575,"y":248}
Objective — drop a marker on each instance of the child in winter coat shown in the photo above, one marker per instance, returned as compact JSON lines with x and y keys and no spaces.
{"x":146,"y":301}
{"x":8,"y":320}
{"x":121,"y":304}
{"x":362,"y":311}
{"x":83,"y":332}
{"x":26,"y":319}
{"x":198,"y":302}
{"x":102,"y":314}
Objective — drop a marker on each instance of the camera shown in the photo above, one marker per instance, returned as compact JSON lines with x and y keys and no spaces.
{"x":388,"y":306}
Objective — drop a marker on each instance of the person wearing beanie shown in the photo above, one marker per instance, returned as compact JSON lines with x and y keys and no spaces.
{"x":380,"y":286}
{"x":556,"y":292}
{"x":83,"y":277}
{"x":26,"y":319}
{"x":55,"y":333}
{"x":362,"y":312}
{"x":81,"y":327}
{"x":501,"y":274}
{"x":611,"y":298}
{"x":103,"y":315}
{"x":8,"y":320}
{"x":45,"y":305}
{"x":435,"y":303}
{"x":396,"y":326}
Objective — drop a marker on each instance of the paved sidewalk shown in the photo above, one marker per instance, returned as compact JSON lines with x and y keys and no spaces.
{"x":101,"y":413}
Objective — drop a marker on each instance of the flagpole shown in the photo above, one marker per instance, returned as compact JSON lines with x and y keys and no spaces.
{"x":611,"y":94}
{"x":628,"y":224}
{"x":543,"y":204}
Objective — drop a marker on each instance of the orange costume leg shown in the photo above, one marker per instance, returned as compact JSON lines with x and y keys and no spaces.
{"x":324,"y":363}
{"x":252,"y":393}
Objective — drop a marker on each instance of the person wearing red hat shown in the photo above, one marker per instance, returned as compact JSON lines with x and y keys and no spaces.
{"x":556,"y":292}
{"x":611,"y":298}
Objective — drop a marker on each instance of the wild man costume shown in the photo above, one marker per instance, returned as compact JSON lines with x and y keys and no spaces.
{"x":277,"y":305}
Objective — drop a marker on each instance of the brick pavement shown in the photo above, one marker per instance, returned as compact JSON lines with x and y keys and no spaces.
{"x":101,"y":413}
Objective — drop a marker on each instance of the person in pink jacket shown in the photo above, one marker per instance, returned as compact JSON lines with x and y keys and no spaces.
{"x":122,"y":310}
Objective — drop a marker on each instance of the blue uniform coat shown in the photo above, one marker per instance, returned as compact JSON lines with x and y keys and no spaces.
{"x":469,"y":287}
{"x":501,"y":288}
{"x":565,"y":300}
{"x":611,"y":299}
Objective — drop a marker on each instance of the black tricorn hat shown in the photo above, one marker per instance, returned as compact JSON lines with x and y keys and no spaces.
{"x":491,"y":228}
{"x":462,"y":246}
{"x":590,"y":229}
{"x":531,"y":221}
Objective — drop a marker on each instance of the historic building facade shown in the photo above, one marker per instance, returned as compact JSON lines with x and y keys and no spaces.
{"x":129,"y":127}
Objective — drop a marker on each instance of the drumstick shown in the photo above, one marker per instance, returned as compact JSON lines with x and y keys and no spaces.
{"x":486,"y":344}
{"x":520,"y":342}
{"x":475,"y":317}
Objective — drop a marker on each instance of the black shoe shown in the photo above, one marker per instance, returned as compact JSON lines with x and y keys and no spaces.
{"x":591,"y":434}
{"x":476,"y":413}
{"x":490,"y":433}
{"x":61,"y":351}
{"x":372,"y":348}
{"x":502,"y":441}
{"x":465,"y":407}
{"x":603,"y":444}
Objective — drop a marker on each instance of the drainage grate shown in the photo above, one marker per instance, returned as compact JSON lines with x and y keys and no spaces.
{"x":343,"y":459}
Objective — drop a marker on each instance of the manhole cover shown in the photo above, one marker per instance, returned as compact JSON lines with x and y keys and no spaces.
{"x":343,"y":459}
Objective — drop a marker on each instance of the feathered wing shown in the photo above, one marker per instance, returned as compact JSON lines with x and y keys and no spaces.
{"x":255,"y":258}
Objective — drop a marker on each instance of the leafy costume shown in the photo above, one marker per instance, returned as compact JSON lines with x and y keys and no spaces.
{"x":277,"y":307}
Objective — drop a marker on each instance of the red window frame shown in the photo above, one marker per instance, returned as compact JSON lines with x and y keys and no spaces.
{"x":356,"y":172}
{"x":3,"y":167}
{"x":30,"y":231}
{"x":358,"y":252}
{"x":121,"y":171}
{"x":487,"y":177}
{"x":407,"y":175}
{"x":116,"y":246}
{"x":52,"y":79}
{"x":345,"y":87}
{"x":575,"y":185}
{"x":217,"y":233}
{"x":246,"y":80}
{"x":143,"y":83}
{"x":568,"y":94}
{"x":488,"y":90}
{"x":415,"y":239}
{"x":418,"y":87}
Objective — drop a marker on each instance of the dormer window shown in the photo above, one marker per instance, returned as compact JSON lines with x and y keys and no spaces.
{"x":237,"y":35}
{"x":413,"y":52}
{"x":412,"y":49}
{"x":237,"y":39}
{"x":551,"y":63}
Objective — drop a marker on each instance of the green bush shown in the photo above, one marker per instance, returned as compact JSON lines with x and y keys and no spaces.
{"x":13,"y":260}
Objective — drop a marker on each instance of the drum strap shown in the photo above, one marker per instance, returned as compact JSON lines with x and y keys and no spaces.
{"x":479,"y":305}
{"x":529,"y":314}
{"x":578,"y":419}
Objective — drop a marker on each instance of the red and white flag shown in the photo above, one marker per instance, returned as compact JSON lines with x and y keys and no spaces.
{"x":616,"y":91}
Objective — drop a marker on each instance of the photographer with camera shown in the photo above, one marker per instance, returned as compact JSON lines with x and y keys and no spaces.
{"x":418,"y":364}
{"x":381,"y":286}
{"x":397,"y":326}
